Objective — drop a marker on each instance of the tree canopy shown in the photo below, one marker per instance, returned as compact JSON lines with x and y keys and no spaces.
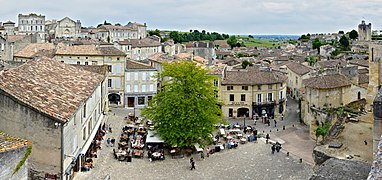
{"x":195,"y":35}
{"x":186,"y":110}
{"x":232,"y":41}
{"x":353,"y":34}
{"x":344,"y":43}
{"x":154,"y":32}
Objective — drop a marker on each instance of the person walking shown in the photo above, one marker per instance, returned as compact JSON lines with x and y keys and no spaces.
{"x":202,"y":155}
{"x":273,"y":148}
{"x":108,"y":141}
{"x":192,"y":165}
{"x":191,"y":159}
{"x":282,"y":117}
{"x":110,"y":128}
{"x":112,"y":142}
{"x":275,"y":122}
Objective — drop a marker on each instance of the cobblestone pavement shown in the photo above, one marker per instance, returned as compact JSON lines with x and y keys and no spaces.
{"x":249,"y":161}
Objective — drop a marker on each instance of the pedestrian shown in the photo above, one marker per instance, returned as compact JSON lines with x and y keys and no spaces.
{"x":275,"y":122}
{"x":365,"y":142}
{"x":110,"y":128}
{"x":191,"y":159}
{"x":273,"y":148}
{"x":267,"y":137}
{"x":103,"y":127}
{"x":192,"y":165}
{"x":282,"y":117}
{"x":202,"y":155}
{"x":108,"y":142}
{"x":112,"y":142}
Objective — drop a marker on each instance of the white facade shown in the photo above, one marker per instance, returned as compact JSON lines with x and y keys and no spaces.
{"x":31,"y":24}
{"x":141,"y":86}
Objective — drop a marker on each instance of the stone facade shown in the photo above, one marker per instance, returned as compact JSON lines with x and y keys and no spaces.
{"x":376,"y":171}
{"x":67,"y":28}
{"x":141,"y":84}
{"x":205,"y":50}
{"x":96,"y":55}
{"x":296,"y":73}
{"x":13,"y":44}
{"x":31,"y":24}
{"x":364,"y":31}
{"x":139,"y":49}
{"x":253,"y":91}
{"x":375,"y":73}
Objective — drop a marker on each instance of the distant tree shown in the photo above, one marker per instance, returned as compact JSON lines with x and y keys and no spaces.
{"x":154,"y":32}
{"x":316,"y":44}
{"x":245,"y":64}
{"x":190,"y":30}
{"x":250,"y":36}
{"x":232,"y":41}
{"x":353,"y":34}
{"x":304,"y":37}
{"x":344,"y":43}
{"x":106,"y":23}
{"x":175,"y":36}
{"x":118,"y":24}
{"x":312,"y":60}
{"x":341,"y":32}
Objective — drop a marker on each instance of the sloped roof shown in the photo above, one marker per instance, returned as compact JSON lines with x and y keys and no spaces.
{"x":327,"y":81}
{"x":331,"y":63}
{"x":360,"y":62}
{"x":363,"y":78}
{"x":137,"y":65}
{"x":33,"y":49}
{"x":9,"y":143}
{"x":50,"y":87}
{"x":298,"y":68}
{"x":253,"y":76}
{"x":89,"y":49}
{"x":14,"y":38}
{"x":146,"y":42}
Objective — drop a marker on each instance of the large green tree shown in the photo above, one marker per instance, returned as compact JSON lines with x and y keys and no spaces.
{"x":185,"y":111}
{"x":344,"y":42}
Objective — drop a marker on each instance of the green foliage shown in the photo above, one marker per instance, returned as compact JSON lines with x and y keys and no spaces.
{"x":353,"y":34}
{"x":322,"y":130}
{"x":317,"y":44}
{"x":232,"y":41}
{"x":185,"y":110}
{"x":246,"y":63}
{"x":155,"y":32}
{"x":250,"y":36}
{"x":376,"y":37}
{"x":341,"y":32}
{"x":335,"y":53}
{"x":304,"y":37}
{"x":344,"y":42}
{"x":239,"y":55}
{"x":312,"y":60}
{"x":21,"y":163}
{"x":195,"y":35}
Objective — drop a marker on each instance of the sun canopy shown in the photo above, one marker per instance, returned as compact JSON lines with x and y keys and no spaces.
{"x":153,"y":137}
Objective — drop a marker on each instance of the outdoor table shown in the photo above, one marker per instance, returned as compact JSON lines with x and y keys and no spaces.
{"x":239,"y":135}
{"x":229,"y":137}
{"x":156,"y":154}
{"x":236,"y":126}
{"x":243,"y":140}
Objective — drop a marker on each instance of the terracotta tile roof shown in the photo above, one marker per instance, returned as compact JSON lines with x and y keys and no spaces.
{"x":253,"y":76}
{"x":53,"y":88}
{"x":161,"y":57}
{"x":146,"y":42}
{"x":137,"y":65}
{"x":360,"y":62}
{"x":331,"y":63}
{"x":14,"y":38}
{"x":90,"y":50}
{"x":298,"y":68}
{"x":34,"y":49}
{"x":9,"y":143}
{"x":217,"y":69}
{"x":199,"y":59}
{"x":183,"y":55}
{"x":363,"y":78}
{"x":327,"y":82}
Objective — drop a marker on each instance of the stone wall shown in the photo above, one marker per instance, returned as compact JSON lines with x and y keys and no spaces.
{"x":9,"y":161}
{"x":376,"y":168}
{"x":23,"y":122}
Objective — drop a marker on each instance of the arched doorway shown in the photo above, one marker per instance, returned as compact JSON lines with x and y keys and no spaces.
{"x":242,"y":112}
{"x":359,"y":95}
{"x":114,"y":98}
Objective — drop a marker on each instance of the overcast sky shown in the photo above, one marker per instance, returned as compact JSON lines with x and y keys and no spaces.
{"x":224,"y":16}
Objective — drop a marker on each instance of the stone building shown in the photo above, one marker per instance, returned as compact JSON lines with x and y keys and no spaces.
{"x":12,"y":152}
{"x":34,"y":50}
{"x":12,"y":44}
{"x":375,"y":71}
{"x":139,"y":49}
{"x":168,"y":47}
{"x":364,"y":31}
{"x":99,"y":55}
{"x":32,"y":24}
{"x":326,"y":50}
{"x":112,"y":33}
{"x":205,"y":50}
{"x":251,"y":91}
{"x":296,"y":73}
{"x":141,"y":84}
{"x":333,"y":90}
{"x":68,"y":28}
{"x":57,"y":107}
{"x":9,"y":28}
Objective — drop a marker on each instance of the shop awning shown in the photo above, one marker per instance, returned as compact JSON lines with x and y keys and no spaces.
{"x":153,"y":137}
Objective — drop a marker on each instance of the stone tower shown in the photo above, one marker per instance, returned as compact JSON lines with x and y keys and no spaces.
{"x":9,"y":27}
{"x":364,"y":31}
{"x":375,"y":71}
